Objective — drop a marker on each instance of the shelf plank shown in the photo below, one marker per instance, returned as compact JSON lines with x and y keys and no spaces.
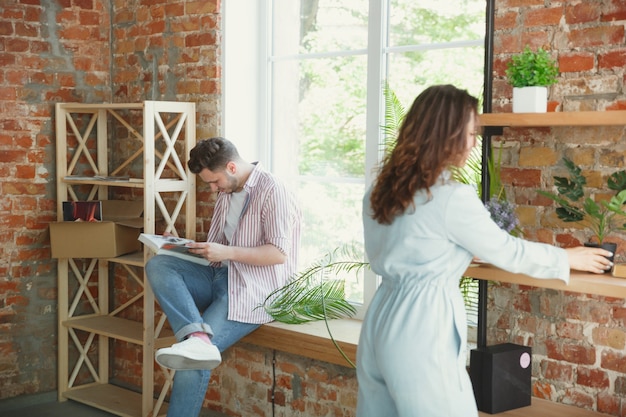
{"x":104,"y":183}
{"x":134,"y":258}
{"x":118,"y":328}
{"x":76,"y":107}
{"x":110,"y":398}
{"x":580,"y":282}
{"x":544,"y":408}
{"x":581,"y":118}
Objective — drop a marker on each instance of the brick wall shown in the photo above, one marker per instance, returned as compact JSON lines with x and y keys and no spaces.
{"x":49,"y":51}
{"x":578,"y":340}
{"x":114,"y":50}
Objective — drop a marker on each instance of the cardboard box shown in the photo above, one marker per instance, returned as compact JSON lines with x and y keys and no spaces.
{"x":115,"y":235}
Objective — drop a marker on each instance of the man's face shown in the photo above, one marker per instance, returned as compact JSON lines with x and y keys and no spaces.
{"x":223,"y":181}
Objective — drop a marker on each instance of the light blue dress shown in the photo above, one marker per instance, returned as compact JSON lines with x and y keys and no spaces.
{"x":411,"y":357}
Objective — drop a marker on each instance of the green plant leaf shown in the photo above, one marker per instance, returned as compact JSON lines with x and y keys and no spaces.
{"x":617,"y":181}
{"x":528,"y":69}
{"x":316,"y":293}
{"x":394,"y":116}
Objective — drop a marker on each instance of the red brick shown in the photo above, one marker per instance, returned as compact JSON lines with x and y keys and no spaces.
{"x":608,"y":404}
{"x":543,"y":17}
{"x":576,"y":62}
{"x":615,"y":11}
{"x":612,"y":360}
{"x":521,"y":177}
{"x":201,"y":7}
{"x":578,"y":398}
{"x":612,"y":59}
{"x":597,"y":36}
{"x":84,"y":4}
{"x":594,"y":378}
{"x":25,"y":172}
{"x":89,"y":18}
{"x":6,"y":28}
{"x":16,"y":45}
{"x":556,"y":371}
{"x":582,"y":12}
{"x":199,"y":39}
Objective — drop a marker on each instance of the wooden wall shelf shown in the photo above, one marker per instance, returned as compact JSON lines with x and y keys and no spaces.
{"x":580,"y":282}
{"x":582,"y":118}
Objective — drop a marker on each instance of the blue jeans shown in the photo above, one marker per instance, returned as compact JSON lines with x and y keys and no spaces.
{"x":195,"y":299}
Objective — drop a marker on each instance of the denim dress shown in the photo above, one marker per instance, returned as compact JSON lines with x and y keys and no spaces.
{"x":411,"y":357}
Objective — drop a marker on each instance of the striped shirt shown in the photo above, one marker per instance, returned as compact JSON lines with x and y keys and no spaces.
{"x":270,"y":215}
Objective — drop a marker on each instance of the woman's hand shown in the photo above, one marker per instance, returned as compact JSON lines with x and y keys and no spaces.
{"x":589,"y":259}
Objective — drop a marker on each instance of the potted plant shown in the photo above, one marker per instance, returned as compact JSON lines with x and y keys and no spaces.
{"x":530,"y":73}
{"x":601,"y":217}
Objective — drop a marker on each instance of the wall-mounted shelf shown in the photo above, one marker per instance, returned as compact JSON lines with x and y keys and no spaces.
{"x":581,"y":118}
{"x":580,"y":282}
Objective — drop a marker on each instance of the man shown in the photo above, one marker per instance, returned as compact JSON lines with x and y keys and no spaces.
{"x":252,"y":247}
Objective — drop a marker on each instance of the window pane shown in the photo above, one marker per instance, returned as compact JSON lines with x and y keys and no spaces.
{"x":411,"y":72}
{"x":319,"y":123}
{"x":415,"y":22}
{"x":323,"y":26}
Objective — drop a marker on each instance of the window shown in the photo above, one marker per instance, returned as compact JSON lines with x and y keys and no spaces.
{"x":304,"y":94}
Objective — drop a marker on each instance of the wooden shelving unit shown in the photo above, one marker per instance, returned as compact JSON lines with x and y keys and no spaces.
{"x":85,"y":134}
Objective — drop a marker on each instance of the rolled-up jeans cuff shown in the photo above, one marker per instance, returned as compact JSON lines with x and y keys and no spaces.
{"x":192,"y":328}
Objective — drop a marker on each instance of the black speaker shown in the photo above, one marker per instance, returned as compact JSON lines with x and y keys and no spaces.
{"x":500,"y":376}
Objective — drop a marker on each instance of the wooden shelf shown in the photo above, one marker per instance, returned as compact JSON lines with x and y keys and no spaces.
{"x":545,"y":408}
{"x":77,"y":107}
{"x":135,"y":259}
{"x":117,"y":328}
{"x":580,"y":282}
{"x":110,"y":398}
{"x":105,"y":183}
{"x":582,"y":118}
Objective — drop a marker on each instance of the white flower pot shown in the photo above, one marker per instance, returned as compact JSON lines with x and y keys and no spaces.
{"x":530,"y":99}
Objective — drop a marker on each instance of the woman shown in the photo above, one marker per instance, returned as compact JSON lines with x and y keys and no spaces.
{"x":421,"y":231}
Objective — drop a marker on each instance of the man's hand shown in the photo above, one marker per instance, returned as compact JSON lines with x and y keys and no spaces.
{"x":213,"y":252}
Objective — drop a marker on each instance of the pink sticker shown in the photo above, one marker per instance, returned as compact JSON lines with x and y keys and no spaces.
{"x":524,"y":360}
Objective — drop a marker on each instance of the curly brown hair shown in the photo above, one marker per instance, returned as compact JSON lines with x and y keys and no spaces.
{"x":213,"y":154}
{"x":431,"y":138}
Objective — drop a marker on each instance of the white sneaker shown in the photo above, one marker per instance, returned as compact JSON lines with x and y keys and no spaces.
{"x":192,"y":353}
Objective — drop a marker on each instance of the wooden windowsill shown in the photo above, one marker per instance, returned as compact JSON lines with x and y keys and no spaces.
{"x":311,"y":340}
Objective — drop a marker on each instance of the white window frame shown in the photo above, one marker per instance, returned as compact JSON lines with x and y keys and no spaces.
{"x":246,"y":101}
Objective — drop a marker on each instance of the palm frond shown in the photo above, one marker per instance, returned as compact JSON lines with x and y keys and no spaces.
{"x":316,"y":293}
{"x":394,"y":116}
{"x":470,"y":173}
{"x":303,"y":304}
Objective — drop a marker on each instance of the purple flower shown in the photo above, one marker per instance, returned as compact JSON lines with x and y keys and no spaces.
{"x":503,"y":214}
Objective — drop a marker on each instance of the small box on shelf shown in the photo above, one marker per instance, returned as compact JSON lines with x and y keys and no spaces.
{"x":111,"y":229}
{"x":619,"y":270}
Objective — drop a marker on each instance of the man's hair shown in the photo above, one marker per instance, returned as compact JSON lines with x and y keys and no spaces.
{"x":213,"y":154}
